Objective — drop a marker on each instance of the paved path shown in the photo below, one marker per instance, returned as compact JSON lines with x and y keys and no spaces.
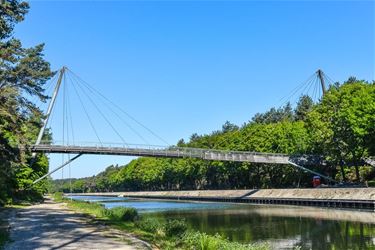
{"x":52,"y":226}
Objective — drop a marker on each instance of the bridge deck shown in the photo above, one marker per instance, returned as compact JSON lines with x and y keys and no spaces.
{"x":172,"y":152}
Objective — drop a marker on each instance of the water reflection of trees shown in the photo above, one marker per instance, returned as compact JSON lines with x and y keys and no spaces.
{"x":285,"y":230}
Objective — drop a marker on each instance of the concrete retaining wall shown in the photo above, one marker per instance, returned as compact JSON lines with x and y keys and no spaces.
{"x":317,"y":194}
{"x":313,"y":194}
{"x":182,"y":194}
{"x":356,"y":198}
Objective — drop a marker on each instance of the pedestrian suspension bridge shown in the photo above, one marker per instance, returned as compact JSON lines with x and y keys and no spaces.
{"x":125,"y":149}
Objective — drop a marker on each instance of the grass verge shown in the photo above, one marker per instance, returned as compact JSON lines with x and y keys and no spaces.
{"x":170,"y":234}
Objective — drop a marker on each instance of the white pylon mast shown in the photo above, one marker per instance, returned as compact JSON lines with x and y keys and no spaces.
{"x":50,"y":106}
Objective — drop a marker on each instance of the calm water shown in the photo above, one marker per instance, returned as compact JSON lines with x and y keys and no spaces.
{"x":284,"y":227}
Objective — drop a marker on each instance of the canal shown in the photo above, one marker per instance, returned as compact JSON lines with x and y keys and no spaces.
{"x":283,"y":227}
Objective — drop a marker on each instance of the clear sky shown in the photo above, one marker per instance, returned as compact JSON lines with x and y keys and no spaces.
{"x":181,"y":67}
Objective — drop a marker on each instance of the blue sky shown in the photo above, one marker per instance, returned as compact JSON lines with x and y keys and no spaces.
{"x":182,"y":67}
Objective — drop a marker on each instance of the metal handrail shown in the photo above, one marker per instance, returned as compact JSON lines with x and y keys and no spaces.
{"x":160,"y":147}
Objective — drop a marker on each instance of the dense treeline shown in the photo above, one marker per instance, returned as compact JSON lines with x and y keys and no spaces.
{"x":23,"y":73}
{"x":341,"y":127}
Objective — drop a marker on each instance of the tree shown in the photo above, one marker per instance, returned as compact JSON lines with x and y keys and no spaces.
{"x":275,"y":115}
{"x":342,"y":124}
{"x":339,"y":127}
{"x":228,"y":126}
{"x":304,"y":106}
{"x":23,"y":73}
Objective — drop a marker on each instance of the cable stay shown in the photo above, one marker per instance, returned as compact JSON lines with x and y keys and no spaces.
{"x":99,"y":94}
{"x":56,"y":169}
{"x":68,"y":81}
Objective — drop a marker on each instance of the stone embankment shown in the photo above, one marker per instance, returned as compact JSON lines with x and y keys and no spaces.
{"x":358,"y":198}
{"x":180,"y":194}
{"x":318,"y":193}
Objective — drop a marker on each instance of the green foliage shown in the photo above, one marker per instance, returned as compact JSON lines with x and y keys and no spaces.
{"x":122,"y":213}
{"x":304,"y":106}
{"x":96,"y":209}
{"x":12,"y":12}
{"x":340,"y":127}
{"x":275,"y":115}
{"x":23,"y":74}
{"x":151,"y":225}
{"x":175,"y":228}
{"x":171,"y":234}
{"x":58,"y":196}
{"x":203,"y":241}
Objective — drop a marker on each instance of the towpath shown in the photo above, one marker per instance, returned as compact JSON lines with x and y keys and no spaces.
{"x":52,"y":225}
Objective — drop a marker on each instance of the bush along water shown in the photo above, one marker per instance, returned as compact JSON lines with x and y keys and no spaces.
{"x":203,"y":241}
{"x":165,"y":234}
{"x":175,"y":228}
{"x":176,"y":235}
{"x":121,"y":213}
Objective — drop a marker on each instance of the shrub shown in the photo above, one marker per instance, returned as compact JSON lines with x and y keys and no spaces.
{"x":202,"y":241}
{"x":150,"y":225}
{"x":175,"y":228}
{"x":208,"y":243}
{"x":122,"y":213}
{"x":106,"y":213}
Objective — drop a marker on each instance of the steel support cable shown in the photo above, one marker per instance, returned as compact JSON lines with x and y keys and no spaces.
{"x":308,"y":86}
{"x":312,"y":84}
{"x":116,"y":114}
{"x":296,"y":89}
{"x":313,"y":92}
{"x":67,"y":106}
{"x":123,"y":111}
{"x":56,"y":169}
{"x":52,"y":114}
{"x":305,"y":84}
{"x":71,"y":120}
{"x":316,"y":93}
{"x":87,"y":115}
{"x":327,"y":79}
{"x":320,"y":94}
{"x":292,"y":93}
{"x":52,"y":117}
{"x":311,"y":171}
{"x":36,"y":99}
{"x":63,"y":123}
{"x":120,"y":109}
{"x":103,"y":116}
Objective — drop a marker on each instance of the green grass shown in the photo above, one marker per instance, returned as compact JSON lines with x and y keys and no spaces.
{"x":202,"y":241}
{"x":170,"y":234}
{"x":121,"y":213}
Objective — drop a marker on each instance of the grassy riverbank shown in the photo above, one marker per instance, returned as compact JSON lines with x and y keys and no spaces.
{"x":171,"y":234}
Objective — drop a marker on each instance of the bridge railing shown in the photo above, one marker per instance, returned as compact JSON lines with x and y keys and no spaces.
{"x":197,"y":152}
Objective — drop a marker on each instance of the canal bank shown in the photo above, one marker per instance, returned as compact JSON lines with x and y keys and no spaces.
{"x":355,"y":198}
{"x":278,"y":226}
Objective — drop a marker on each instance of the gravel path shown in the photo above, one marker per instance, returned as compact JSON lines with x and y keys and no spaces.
{"x":52,"y":226}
